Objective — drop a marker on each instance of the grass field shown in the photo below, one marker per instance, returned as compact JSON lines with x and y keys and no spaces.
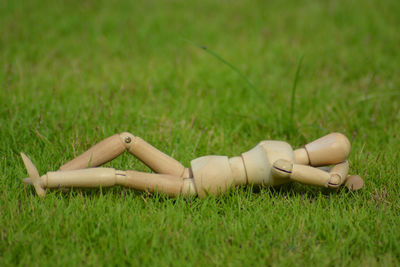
{"x":75,"y":72}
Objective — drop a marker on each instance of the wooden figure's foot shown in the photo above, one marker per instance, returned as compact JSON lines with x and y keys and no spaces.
{"x":34,"y":178}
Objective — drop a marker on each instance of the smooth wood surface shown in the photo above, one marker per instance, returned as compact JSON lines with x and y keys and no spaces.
{"x":33,"y":175}
{"x":327,"y":150}
{"x":301,"y":156}
{"x":189,"y":187}
{"x":309,"y":175}
{"x":152,"y":182}
{"x":155,"y":159}
{"x":304,"y":174}
{"x":269,"y":163}
{"x":282,"y":169}
{"x":258,"y":162}
{"x":92,"y":177}
{"x":338,"y":174}
{"x":106,"y":177}
{"x":239,"y":176}
{"x":103,"y":152}
{"x":212,"y":175}
{"x":257,"y":166}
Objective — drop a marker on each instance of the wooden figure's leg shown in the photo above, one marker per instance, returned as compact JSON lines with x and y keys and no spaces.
{"x":102,"y":152}
{"x":106,"y":177}
{"x":152,"y":182}
{"x":310,"y":175}
{"x":156,"y":160}
{"x":115,"y":145}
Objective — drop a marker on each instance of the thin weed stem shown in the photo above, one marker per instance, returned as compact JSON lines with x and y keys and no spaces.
{"x":293,"y":97}
{"x":221,"y":59}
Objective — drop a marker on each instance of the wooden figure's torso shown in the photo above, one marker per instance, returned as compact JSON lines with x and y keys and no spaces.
{"x":215,"y":174}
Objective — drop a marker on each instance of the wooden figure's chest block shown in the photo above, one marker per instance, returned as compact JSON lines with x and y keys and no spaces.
{"x":215,"y":174}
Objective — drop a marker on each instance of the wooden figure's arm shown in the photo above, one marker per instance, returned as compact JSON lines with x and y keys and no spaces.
{"x":115,"y":145}
{"x":327,"y":150}
{"x":310,"y":175}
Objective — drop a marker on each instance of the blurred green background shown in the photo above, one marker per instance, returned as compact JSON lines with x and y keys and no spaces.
{"x":75,"y":72}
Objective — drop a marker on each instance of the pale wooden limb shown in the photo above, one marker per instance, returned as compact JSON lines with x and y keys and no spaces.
{"x":155,"y":159}
{"x":115,"y":145}
{"x":93,"y":177}
{"x":327,"y":150}
{"x":354,"y":182}
{"x":338,"y":174}
{"x":310,"y":175}
{"x":106,"y":177}
{"x":152,"y":182}
{"x":90,"y":178}
{"x":103,"y":152}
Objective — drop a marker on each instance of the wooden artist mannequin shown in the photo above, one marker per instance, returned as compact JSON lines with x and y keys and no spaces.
{"x":269,"y":163}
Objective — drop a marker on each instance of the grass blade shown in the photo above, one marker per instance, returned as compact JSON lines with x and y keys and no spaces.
{"x":294,"y":87}
{"x":221,"y":59}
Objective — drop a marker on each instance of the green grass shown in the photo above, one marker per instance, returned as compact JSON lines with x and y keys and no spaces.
{"x":75,"y":72}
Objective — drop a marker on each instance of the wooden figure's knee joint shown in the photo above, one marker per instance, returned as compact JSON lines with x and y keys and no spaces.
{"x":127,"y":139}
{"x":155,"y":159}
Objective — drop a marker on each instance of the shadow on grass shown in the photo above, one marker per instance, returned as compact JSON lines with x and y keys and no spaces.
{"x":248,"y":193}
